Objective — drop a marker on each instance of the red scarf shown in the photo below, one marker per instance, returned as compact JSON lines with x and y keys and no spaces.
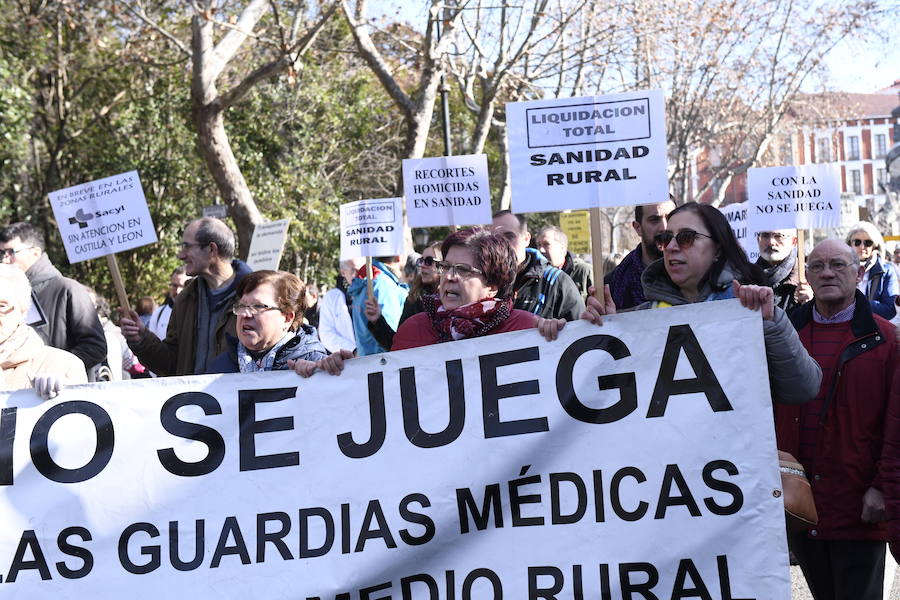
{"x":363,"y":275}
{"x":468,"y":321}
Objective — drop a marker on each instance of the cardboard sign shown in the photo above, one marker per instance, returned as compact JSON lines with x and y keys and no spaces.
{"x":577,"y":227}
{"x":218,"y":211}
{"x":801,"y":197}
{"x":267,"y":245}
{"x":447,"y":190}
{"x":632,"y":456}
{"x":372,"y":228}
{"x":575,"y":153}
{"x":103,"y":217}
{"x":739,"y":221}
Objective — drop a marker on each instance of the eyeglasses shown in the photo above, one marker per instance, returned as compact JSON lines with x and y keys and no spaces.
{"x":684,"y":238}
{"x":186,"y":245}
{"x":251,"y":310}
{"x":9,"y":253}
{"x":837,"y":266}
{"x":765,"y":236}
{"x":859,"y":242}
{"x":426,"y":261}
{"x":461,"y":271}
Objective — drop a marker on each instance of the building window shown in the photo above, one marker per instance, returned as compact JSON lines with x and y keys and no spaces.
{"x":823,"y":150}
{"x":880,"y":145}
{"x":853,"y":153}
{"x":856,"y":182}
{"x":880,"y":178}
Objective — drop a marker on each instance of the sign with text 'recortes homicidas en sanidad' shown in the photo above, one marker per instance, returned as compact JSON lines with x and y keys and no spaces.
{"x":802,"y":197}
{"x":103,"y":217}
{"x":372,"y":227}
{"x":447,"y":190}
{"x":587,"y":152}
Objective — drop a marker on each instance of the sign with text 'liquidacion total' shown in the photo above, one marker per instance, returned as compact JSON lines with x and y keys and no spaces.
{"x":801,"y":197}
{"x":372,"y":228}
{"x":103,"y":217}
{"x":622,"y":461}
{"x":447,"y":190}
{"x":575,"y":153}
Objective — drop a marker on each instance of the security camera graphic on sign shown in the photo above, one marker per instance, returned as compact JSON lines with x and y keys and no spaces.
{"x":81,"y":218}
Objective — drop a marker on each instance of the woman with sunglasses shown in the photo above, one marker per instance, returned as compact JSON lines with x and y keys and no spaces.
{"x":424,"y":284}
{"x":879,"y":282}
{"x":271,"y":336}
{"x":702,"y":261}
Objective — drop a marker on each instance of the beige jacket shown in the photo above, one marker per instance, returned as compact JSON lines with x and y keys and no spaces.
{"x":31,"y":357}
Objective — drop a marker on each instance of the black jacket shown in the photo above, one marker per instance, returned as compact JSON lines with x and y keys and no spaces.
{"x":72,"y":322}
{"x":546,"y":291}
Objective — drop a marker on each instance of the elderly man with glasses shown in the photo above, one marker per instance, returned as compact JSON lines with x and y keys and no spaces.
{"x":202,"y":317}
{"x":778,"y":260}
{"x":839,"y":436}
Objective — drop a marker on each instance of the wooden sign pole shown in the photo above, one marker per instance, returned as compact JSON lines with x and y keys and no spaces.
{"x":597,"y":253}
{"x":801,"y":255}
{"x":117,"y":281}
{"x":369,"y":278}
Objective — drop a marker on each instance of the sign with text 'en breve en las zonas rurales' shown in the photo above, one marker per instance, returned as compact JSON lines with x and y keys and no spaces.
{"x":372,"y":228}
{"x":103,"y":217}
{"x":588,"y":152}
{"x":736,"y":214}
{"x":630,"y":460}
{"x":801,"y":197}
{"x":447,"y":190}
{"x":267,"y":245}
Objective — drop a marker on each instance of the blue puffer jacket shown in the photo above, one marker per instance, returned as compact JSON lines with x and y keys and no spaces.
{"x":390,"y":294}
{"x":304,"y":345}
{"x":883,"y":289}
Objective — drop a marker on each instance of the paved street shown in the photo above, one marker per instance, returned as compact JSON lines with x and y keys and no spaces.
{"x":799,"y":591}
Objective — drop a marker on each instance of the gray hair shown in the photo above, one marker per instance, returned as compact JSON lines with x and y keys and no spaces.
{"x":561,"y":236}
{"x":871,"y":231}
{"x":13,"y":278}
{"x":213,"y":231}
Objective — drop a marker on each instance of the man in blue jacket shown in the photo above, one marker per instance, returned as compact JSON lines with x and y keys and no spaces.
{"x":390,"y":294}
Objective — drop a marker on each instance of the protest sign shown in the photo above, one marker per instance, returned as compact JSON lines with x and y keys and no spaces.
{"x":577,"y":227}
{"x":588,"y":152}
{"x":372,"y":228}
{"x":801,"y":197}
{"x":736,"y":214}
{"x":447,"y":190}
{"x":632,"y":458}
{"x":267,"y":245}
{"x":103,"y":217}
{"x":217,"y":211}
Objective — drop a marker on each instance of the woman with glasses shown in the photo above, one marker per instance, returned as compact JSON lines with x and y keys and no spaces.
{"x":879,"y":282}
{"x":702,"y":261}
{"x":271,"y":336}
{"x":424,"y":284}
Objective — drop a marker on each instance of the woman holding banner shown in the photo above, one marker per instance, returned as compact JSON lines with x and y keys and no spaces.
{"x":702,"y":261}
{"x":271,"y":336}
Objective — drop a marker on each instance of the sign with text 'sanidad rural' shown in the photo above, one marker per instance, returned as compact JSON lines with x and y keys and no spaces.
{"x":103,"y":217}
{"x":630,"y":459}
{"x":736,"y":214}
{"x":574,"y":153}
{"x":802,"y":197}
{"x":267,"y":245}
{"x":447,"y":190}
{"x":372,"y":228}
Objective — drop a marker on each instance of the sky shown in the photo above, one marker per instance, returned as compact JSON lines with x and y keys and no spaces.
{"x":864,"y":67}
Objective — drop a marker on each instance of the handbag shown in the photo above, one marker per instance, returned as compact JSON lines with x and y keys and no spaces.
{"x":799,"y":505}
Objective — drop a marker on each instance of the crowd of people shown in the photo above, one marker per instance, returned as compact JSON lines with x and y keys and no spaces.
{"x":829,"y":341}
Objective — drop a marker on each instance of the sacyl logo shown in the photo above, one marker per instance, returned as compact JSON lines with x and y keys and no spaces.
{"x":81,"y":218}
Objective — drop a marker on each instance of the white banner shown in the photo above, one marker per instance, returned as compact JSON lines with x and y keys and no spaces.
{"x":447,"y":190}
{"x":267,"y":245}
{"x":372,"y":228}
{"x":739,"y":222}
{"x":801,"y":197}
{"x":574,"y":153}
{"x":632,"y":457}
{"x":103,"y":217}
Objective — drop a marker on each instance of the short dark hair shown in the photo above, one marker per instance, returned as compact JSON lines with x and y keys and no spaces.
{"x":523,"y":223}
{"x":491,"y":252}
{"x":290,"y":291}
{"x":26,"y":232}
{"x":639,"y":209}
{"x":732,"y":252}
{"x":213,"y":231}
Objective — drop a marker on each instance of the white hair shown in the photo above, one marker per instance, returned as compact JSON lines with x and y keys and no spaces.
{"x":871,"y":231}
{"x":14,"y":279}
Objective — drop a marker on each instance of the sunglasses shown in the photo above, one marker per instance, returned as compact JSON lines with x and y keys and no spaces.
{"x":859,"y":242}
{"x":684,"y":238}
{"x":426,"y":261}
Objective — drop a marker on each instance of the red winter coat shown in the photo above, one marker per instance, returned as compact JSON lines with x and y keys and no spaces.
{"x":417,"y":330}
{"x":852,"y":453}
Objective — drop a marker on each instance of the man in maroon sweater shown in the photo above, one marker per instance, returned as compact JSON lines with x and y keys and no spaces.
{"x":839,"y":435}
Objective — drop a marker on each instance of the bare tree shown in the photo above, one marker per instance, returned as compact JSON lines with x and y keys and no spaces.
{"x":279,"y":34}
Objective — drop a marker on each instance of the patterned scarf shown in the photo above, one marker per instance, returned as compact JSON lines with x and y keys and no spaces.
{"x":247,"y":364}
{"x":468,"y":321}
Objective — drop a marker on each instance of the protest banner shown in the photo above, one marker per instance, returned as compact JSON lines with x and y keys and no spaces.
{"x":800,"y":197}
{"x":267,"y":245}
{"x":447,"y":190}
{"x":371,"y":228}
{"x":576,"y":225}
{"x":102,"y":217}
{"x":623,"y":460}
{"x":736,"y":214}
